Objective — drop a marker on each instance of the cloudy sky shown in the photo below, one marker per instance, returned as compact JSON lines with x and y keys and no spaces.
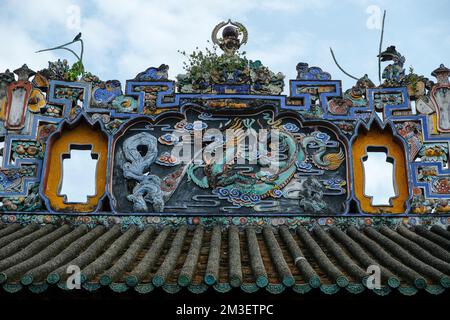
{"x":123,"y":38}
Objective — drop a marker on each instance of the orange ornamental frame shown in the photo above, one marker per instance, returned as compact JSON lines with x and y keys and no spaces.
{"x":3,"y":108}
{"x":82,"y":134}
{"x":380,"y":138}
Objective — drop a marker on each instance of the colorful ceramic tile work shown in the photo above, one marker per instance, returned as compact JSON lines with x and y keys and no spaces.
{"x":219,"y":161}
{"x":322,"y":135}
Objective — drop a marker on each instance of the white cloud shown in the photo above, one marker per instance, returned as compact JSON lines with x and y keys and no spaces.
{"x":17,"y":51}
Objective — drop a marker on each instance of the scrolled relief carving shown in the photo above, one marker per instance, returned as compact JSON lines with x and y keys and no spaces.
{"x":141,"y":151}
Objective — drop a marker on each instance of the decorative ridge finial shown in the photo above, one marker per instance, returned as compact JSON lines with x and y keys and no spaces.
{"x":230,"y":41}
{"x":441,"y":74}
{"x":24,"y":73}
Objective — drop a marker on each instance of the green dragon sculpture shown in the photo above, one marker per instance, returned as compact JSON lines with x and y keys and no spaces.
{"x":248,"y":188}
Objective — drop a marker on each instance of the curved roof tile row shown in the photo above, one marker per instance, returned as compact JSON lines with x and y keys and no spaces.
{"x":272,"y":259}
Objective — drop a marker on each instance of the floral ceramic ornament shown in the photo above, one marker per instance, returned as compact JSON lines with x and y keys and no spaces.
{"x":26,"y":150}
{"x":53,"y":111}
{"x":434,"y":152}
{"x":36,"y":102}
{"x":45,"y":131}
{"x":124,"y":104}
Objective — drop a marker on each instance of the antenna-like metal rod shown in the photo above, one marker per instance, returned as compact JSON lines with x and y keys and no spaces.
{"x":381,"y":46}
{"x":55,"y":48}
{"x":64,"y":47}
{"x":82,"y":50}
{"x":340,"y":68}
{"x":71,"y":51}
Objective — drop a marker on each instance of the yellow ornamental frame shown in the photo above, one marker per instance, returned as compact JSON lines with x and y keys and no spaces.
{"x":378,"y":138}
{"x":84,"y":135}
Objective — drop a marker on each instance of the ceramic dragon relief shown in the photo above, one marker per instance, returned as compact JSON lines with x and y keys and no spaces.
{"x":148,"y":187}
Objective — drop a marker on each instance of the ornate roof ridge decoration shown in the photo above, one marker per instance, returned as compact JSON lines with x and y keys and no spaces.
{"x":317,"y":122}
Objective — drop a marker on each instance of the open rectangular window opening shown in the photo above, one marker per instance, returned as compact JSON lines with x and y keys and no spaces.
{"x":379,"y":183}
{"x":413,"y":107}
{"x":2,"y":150}
{"x":79,"y":172}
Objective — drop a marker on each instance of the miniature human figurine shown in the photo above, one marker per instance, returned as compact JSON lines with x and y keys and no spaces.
{"x":311,"y":197}
{"x":393,"y":73}
{"x":230,"y":41}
